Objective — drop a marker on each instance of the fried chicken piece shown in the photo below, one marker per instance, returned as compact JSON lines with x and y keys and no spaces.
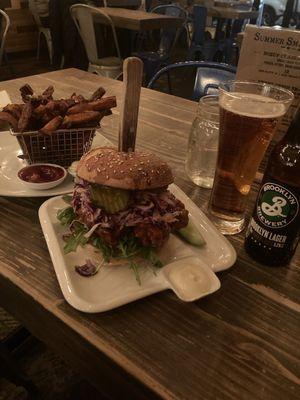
{"x":98,"y":105}
{"x":57,"y":107}
{"x":77,"y":98}
{"x":51,"y":126}
{"x":26,"y":90}
{"x":100,"y":92}
{"x":88,"y":118}
{"x":7,"y":117}
{"x":14,"y":109}
{"x":182,"y":220}
{"x":47,"y":94}
{"x":25,"y":117}
{"x":152,"y":235}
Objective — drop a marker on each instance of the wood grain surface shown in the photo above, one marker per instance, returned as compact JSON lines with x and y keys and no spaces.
{"x":243,"y":342}
{"x":138,"y":20}
{"x":123,"y":3}
{"x":231,"y":13}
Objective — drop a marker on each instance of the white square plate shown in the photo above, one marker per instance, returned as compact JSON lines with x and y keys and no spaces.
{"x":114,"y":286}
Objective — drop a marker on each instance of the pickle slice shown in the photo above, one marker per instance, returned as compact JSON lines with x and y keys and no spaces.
{"x":191,"y":234}
{"x":111,"y":200}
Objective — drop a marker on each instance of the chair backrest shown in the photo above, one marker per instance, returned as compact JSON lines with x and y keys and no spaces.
{"x":33,"y":9}
{"x":208,"y":76}
{"x":83,"y":16}
{"x":258,"y":5}
{"x":145,"y":5}
{"x":4,"y":26}
{"x":260,"y":10}
{"x":200,"y":15}
{"x":169,"y":36}
{"x":142,"y":6}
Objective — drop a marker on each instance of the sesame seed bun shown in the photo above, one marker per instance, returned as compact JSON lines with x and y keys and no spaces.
{"x":132,"y":171}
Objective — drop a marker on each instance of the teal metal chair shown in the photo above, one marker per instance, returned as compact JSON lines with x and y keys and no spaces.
{"x":208,"y":76}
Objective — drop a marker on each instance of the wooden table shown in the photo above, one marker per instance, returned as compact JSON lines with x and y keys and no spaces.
{"x":230,"y":16}
{"x":243,"y":342}
{"x":137,"y":20}
{"x":231,"y":13}
{"x":124,"y":3}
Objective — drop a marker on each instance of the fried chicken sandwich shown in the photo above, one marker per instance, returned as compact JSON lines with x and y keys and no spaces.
{"x":120,"y":194}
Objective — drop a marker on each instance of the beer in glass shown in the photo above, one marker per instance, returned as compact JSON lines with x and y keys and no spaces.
{"x":249,"y":114}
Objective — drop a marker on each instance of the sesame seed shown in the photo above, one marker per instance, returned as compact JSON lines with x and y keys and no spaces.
{"x":139,"y":169}
{"x":142,"y":162}
{"x":122,"y":172}
{"x":107,"y":176}
{"x":115,"y":171}
{"x":152,"y":171}
{"x":130,"y":169}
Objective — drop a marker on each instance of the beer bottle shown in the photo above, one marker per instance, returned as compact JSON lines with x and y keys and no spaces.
{"x":274,"y":230}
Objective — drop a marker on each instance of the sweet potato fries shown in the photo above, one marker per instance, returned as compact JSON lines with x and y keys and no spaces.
{"x":44,"y":114}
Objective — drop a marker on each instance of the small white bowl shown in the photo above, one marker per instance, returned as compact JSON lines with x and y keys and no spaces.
{"x":42,"y":185}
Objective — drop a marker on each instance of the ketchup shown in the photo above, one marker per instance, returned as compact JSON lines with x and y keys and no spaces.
{"x":41,"y":173}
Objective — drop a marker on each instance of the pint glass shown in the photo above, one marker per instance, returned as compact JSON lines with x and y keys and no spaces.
{"x":249,"y":113}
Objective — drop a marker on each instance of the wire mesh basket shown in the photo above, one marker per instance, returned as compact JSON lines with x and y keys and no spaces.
{"x":62,"y":147}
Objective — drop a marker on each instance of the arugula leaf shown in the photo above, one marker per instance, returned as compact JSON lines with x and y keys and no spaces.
{"x":150,"y":255}
{"x":103,"y":247}
{"x":77,"y":238}
{"x":66,"y":216}
{"x":128,"y":247}
{"x":135,"y":268}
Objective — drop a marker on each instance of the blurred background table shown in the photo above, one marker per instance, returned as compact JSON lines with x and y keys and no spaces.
{"x":138,"y":20}
{"x":231,"y":13}
{"x":124,"y":3}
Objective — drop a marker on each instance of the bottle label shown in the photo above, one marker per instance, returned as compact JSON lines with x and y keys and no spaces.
{"x":277,"y":206}
{"x":276,"y":219}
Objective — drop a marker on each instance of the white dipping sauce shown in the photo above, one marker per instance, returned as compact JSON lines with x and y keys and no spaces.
{"x":191,"y":279}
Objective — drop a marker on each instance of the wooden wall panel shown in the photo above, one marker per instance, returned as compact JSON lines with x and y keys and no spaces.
{"x":22,"y":35}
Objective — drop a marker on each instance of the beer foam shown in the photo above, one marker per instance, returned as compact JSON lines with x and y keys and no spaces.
{"x":252,"y":105}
